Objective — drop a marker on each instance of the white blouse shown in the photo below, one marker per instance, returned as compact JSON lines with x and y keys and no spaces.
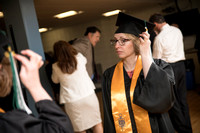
{"x":73,"y":86}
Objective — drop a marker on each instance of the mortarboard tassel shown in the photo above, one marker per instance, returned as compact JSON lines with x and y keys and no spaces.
{"x":145,"y":26}
{"x":18,"y":99}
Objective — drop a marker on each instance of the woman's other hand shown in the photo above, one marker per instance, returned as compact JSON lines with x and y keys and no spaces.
{"x":145,"y":43}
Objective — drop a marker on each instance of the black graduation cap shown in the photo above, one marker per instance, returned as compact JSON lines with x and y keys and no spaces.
{"x":132,"y":25}
{"x":3,"y":45}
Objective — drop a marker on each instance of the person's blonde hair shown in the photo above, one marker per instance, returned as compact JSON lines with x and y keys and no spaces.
{"x":5,"y":77}
{"x":136,"y":42}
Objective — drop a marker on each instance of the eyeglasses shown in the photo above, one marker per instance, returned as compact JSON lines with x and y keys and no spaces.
{"x":121,"y":41}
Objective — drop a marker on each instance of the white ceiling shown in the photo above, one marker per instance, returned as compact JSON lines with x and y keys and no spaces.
{"x":93,"y":9}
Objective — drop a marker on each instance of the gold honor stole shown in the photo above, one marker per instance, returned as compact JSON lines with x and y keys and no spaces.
{"x":120,"y":111}
{"x":1,"y":110}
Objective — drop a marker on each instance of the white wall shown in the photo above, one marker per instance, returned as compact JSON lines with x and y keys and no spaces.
{"x":104,"y":52}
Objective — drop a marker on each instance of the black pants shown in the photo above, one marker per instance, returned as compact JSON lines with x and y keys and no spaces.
{"x":179,"y":113}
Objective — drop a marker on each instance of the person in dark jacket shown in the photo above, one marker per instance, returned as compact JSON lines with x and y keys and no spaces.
{"x":51,"y":119}
{"x":85,"y":45}
{"x":137,"y":91}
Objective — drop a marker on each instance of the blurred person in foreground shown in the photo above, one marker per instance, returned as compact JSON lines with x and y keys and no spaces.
{"x":51,"y":119}
{"x":137,"y":91}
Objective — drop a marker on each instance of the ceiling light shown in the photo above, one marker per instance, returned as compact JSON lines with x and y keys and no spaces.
{"x":111,"y":13}
{"x":1,"y":14}
{"x":43,"y":30}
{"x":67,"y":14}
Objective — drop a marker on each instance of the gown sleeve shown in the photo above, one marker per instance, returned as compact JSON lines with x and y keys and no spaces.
{"x":51,"y":119}
{"x":155,"y":93}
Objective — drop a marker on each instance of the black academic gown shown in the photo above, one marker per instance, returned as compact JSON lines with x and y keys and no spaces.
{"x":155,"y":94}
{"x":6,"y":102}
{"x":51,"y":120}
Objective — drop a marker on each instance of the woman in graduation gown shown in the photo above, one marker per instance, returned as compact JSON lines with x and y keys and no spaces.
{"x":137,"y":91}
{"x":51,"y":118}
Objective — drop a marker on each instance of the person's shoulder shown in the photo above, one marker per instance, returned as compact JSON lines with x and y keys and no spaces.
{"x":80,"y":56}
{"x":111,"y":68}
{"x":175,"y":29}
{"x":158,"y":38}
{"x":83,"y":40}
{"x":55,"y":65}
{"x":109,"y":71}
